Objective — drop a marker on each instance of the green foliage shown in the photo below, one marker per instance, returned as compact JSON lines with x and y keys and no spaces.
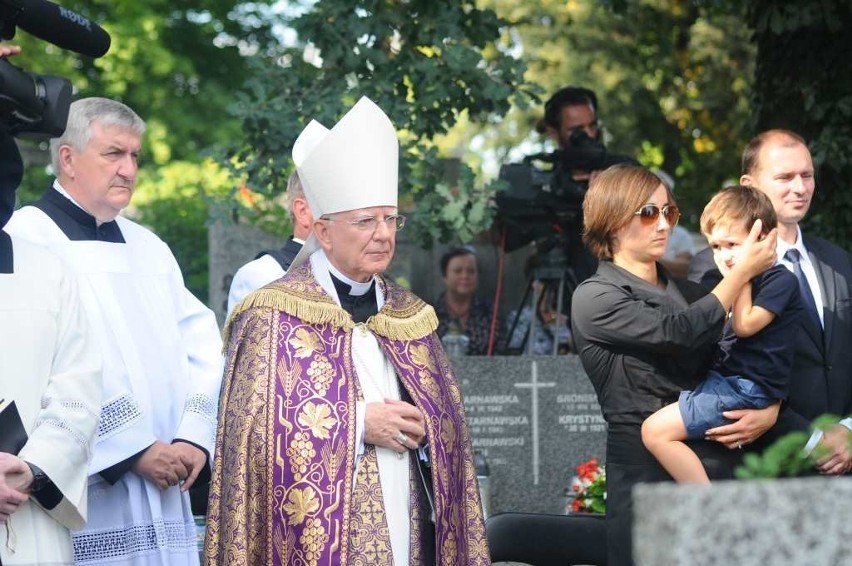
{"x":672,"y":79}
{"x":464,"y":80}
{"x":802,"y":83}
{"x":449,"y":212}
{"x":425,"y":63}
{"x":785,"y":457}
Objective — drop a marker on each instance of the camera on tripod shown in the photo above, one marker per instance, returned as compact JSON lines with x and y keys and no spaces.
{"x":545,"y":206}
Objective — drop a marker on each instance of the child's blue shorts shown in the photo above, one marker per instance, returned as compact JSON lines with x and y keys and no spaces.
{"x":702,"y":408}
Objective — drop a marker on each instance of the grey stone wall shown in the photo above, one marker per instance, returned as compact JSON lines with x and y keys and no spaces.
{"x":792,"y":521}
{"x":231,"y":246}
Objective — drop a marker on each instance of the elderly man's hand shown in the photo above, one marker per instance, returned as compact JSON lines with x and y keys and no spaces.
{"x":162,"y":465}
{"x":837,"y":441}
{"x":193,"y":458}
{"x":15,"y":477}
{"x":394,"y":424}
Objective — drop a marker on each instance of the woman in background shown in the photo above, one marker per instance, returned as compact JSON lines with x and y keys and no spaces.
{"x":460,"y":311}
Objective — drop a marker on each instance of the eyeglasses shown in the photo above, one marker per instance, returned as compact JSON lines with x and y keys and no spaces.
{"x":394,"y":222}
{"x":650,"y":214}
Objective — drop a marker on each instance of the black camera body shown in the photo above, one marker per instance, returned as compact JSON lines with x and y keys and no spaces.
{"x":545,"y":205}
{"x":38,"y":105}
{"x":33,"y":105}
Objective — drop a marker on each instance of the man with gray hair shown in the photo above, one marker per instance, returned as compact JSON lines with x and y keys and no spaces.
{"x":160,"y":345}
{"x":269,"y":265}
{"x":342,"y":438}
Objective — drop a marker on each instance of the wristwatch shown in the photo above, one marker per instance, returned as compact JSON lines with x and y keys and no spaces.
{"x":40,"y":479}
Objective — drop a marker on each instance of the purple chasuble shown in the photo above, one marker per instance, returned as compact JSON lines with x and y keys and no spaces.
{"x":282,"y":486}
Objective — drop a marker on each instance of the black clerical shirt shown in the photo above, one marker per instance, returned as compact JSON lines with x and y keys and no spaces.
{"x":76,"y":223}
{"x":360,"y":307}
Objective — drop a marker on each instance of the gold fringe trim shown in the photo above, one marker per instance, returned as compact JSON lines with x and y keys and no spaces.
{"x":420,"y":324}
{"x":414,"y":321}
{"x":311,"y":311}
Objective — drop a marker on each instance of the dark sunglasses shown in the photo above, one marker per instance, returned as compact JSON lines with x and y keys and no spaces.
{"x":650,"y":214}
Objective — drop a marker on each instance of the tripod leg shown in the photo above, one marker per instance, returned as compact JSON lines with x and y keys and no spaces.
{"x":531,"y":333}
{"x":560,"y":293}
{"x":511,"y":331}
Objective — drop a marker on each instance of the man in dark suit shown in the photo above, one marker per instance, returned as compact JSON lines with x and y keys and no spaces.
{"x":778,"y":163}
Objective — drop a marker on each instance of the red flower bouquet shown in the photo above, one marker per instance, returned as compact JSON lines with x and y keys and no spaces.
{"x":588,"y":488}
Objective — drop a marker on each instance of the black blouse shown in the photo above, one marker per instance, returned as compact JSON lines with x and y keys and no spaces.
{"x":641,"y":345}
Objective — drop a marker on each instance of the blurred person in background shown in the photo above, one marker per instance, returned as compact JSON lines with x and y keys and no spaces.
{"x":460,"y":311}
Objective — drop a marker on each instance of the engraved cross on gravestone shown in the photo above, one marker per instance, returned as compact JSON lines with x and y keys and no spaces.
{"x":533,"y":433}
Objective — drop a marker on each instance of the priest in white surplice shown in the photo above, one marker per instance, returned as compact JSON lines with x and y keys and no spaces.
{"x":161,"y":346}
{"x":50,"y":367}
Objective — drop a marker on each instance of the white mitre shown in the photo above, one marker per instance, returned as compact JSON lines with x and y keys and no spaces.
{"x":353,"y":165}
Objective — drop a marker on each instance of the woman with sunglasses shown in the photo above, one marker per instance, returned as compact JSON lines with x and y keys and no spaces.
{"x":643,"y":336}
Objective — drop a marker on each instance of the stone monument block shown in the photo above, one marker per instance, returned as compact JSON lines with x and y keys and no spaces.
{"x":787,"y":521}
{"x":534,"y":418}
{"x":231,"y":246}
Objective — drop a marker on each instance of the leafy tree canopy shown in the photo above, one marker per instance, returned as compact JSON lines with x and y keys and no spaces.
{"x":803,"y":82}
{"x":425,"y":63}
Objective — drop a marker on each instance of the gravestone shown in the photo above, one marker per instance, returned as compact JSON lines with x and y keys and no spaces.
{"x":534,"y":418}
{"x":231,"y":246}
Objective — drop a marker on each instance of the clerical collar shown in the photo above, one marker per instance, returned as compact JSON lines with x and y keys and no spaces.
{"x":354,"y":288}
{"x":73,"y":220}
{"x":360,"y":300}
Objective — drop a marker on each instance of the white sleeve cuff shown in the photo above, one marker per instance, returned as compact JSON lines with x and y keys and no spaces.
{"x":360,"y":415}
{"x":815,"y":439}
{"x":847,"y":422}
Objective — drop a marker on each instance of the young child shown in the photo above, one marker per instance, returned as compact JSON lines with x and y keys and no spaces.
{"x":756,"y":348}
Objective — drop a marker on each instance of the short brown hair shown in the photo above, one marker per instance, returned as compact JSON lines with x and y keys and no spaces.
{"x":738,"y":204}
{"x":614,"y":196}
{"x":751,"y":153}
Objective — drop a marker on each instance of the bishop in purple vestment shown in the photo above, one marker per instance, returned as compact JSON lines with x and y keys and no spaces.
{"x":342,"y":437}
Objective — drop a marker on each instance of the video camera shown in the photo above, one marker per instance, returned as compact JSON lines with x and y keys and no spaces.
{"x":39,"y":104}
{"x":545,"y":205}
